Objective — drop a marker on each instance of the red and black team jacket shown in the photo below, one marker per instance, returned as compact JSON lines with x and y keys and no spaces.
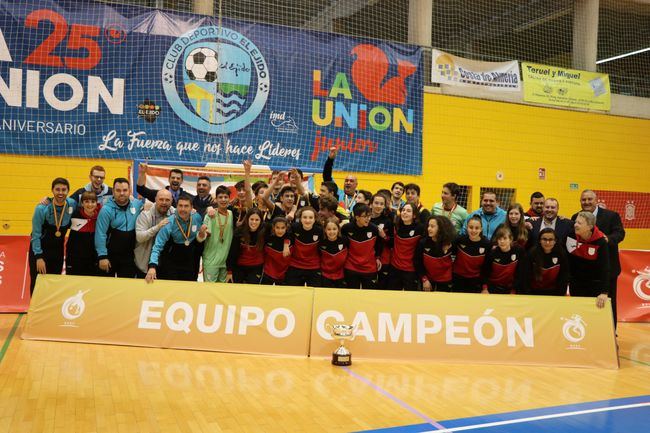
{"x":385,"y":224}
{"x":244,"y":254}
{"x":275,"y":263}
{"x":432,"y":263}
{"x":506,"y":270}
{"x":305,"y":254}
{"x":405,"y":241}
{"x":333,"y":255}
{"x":554,"y":275}
{"x":470,"y":257}
{"x":365,"y":247}
{"x":589,"y":261}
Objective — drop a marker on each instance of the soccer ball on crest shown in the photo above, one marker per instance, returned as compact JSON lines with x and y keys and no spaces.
{"x":202,"y":64}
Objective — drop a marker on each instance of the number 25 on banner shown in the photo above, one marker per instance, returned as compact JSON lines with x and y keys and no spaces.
{"x":80,"y":38}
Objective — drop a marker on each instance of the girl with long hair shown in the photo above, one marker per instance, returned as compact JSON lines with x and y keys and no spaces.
{"x":246,"y":257}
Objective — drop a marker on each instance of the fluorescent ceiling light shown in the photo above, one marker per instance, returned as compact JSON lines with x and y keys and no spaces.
{"x":598,"y":62}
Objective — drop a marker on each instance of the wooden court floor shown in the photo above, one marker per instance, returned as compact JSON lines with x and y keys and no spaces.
{"x":68,"y":387}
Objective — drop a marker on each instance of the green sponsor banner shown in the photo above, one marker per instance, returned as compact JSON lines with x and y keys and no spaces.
{"x":553,"y":85}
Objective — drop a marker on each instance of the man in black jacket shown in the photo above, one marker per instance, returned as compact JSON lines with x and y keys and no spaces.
{"x":608,"y":222}
{"x":550,"y":219}
{"x":175,"y":182}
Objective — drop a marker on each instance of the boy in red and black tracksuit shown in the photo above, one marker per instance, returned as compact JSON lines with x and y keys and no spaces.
{"x":364,"y":257}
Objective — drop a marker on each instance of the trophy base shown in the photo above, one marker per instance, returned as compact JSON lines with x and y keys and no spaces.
{"x":341,"y":360}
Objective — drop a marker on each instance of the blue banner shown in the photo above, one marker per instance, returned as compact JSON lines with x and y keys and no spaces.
{"x":86,"y":79}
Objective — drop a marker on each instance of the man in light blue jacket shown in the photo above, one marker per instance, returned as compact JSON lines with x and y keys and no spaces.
{"x":115,"y":231}
{"x":491,"y":214}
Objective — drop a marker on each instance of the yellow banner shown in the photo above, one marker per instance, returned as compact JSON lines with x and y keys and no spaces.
{"x":539,"y":330}
{"x":536,"y":330}
{"x":171,"y":314}
{"x":553,"y":85}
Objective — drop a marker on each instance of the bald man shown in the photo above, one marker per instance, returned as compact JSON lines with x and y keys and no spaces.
{"x":148,"y":225}
{"x":347,"y":196}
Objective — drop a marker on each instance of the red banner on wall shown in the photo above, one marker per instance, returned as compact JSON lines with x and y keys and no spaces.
{"x":14,"y":274}
{"x":633,"y":297}
{"x":631,"y":206}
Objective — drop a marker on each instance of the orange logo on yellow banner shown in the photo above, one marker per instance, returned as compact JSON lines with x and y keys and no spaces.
{"x":462,"y":327}
{"x":174,"y":314}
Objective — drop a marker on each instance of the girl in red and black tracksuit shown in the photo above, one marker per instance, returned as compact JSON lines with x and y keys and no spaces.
{"x":365,"y":250}
{"x":246,"y":256}
{"x":382,"y":216}
{"x":433,"y":259}
{"x":470,"y":251}
{"x":277,"y":251}
{"x":81,"y":256}
{"x":304,"y":267}
{"x":549,"y":274}
{"x":406,"y":236}
{"x":505,"y":265}
{"x":333,"y":254}
{"x":588,"y":258}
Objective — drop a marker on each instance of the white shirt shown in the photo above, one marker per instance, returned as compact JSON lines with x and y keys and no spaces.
{"x":548,"y":225}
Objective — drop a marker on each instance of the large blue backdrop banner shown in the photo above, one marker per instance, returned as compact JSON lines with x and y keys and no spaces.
{"x":87,"y":79}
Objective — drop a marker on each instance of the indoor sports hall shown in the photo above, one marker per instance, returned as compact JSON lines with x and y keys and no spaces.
{"x":324,"y":216}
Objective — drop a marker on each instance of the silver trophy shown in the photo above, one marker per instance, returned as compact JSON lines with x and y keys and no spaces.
{"x":341,"y":356}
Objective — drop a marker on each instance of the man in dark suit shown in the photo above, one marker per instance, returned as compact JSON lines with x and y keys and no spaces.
{"x":562,"y":226}
{"x":608,"y":222}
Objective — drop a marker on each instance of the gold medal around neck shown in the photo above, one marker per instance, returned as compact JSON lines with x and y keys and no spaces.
{"x":186,"y":235}
{"x":222,"y":227}
{"x":58,"y":221}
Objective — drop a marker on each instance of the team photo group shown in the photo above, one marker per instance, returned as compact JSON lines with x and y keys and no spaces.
{"x":278,"y":232}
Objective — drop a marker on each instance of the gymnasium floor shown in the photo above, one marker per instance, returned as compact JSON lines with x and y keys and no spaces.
{"x":68,"y":387}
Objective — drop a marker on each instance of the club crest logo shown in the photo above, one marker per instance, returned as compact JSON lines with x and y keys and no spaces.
{"x":215,"y":79}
